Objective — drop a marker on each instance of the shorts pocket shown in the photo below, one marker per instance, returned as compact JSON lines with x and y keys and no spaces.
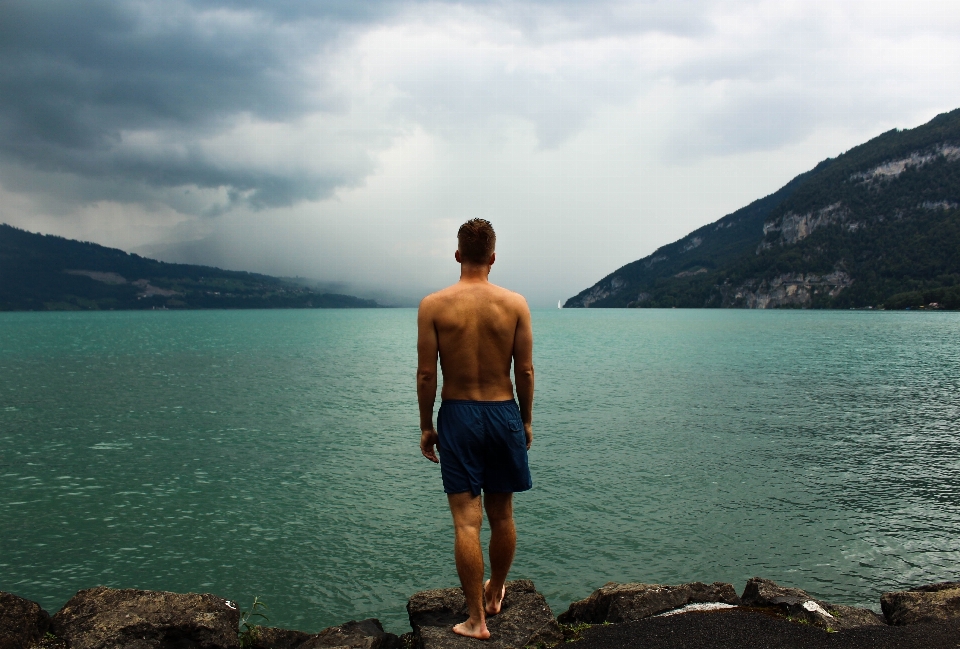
{"x":515,"y":425}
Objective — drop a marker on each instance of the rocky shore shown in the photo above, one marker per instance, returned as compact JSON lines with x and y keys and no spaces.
{"x":615,"y":615}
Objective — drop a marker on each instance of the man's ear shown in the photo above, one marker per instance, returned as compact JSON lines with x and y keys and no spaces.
{"x":456,"y":256}
{"x":493,"y":258}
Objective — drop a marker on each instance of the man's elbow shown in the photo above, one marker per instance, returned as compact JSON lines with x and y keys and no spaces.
{"x":426,"y":376}
{"x":524,"y":372}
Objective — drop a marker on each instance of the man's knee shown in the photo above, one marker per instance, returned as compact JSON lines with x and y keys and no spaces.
{"x":499,"y":508}
{"x":467,"y":531}
{"x":467,"y":512}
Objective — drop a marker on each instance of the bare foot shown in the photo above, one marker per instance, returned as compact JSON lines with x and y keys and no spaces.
{"x":472,"y":630}
{"x":491,"y":605}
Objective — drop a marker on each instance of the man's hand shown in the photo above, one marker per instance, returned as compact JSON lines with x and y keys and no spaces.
{"x":528,"y":430}
{"x":428,"y":442}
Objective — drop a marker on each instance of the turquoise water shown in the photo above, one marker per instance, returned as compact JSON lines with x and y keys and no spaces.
{"x":274,"y":453}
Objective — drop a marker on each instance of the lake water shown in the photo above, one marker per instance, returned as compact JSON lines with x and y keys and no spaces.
{"x":275,"y":453}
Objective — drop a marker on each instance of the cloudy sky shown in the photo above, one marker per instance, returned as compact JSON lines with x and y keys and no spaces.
{"x":346,"y":141}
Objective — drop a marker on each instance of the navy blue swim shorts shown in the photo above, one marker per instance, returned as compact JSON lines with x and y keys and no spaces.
{"x":482,"y":446}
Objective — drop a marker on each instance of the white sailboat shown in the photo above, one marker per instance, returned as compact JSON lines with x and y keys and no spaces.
{"x":559,"y":306}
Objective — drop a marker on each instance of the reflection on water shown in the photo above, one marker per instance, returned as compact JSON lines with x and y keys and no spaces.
{"x":275,"y":454}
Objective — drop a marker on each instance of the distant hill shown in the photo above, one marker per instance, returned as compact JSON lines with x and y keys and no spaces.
{"x":878,"y":226}
{"x":49,"y":273}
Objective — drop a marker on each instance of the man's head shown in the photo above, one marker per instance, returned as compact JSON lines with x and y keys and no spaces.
{"x":476,"y":242}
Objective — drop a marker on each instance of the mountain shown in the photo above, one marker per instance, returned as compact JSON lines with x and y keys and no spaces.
{"x":878,"y":226}
{"x":49,"y":273}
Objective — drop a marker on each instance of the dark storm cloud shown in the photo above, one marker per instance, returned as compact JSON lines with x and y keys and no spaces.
{"x":76,"y":77}
{"x":73,"y":76}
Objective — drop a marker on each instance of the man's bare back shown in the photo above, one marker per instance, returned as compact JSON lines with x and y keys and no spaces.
{"x":479,"y":327}
{"x":477,"y":330}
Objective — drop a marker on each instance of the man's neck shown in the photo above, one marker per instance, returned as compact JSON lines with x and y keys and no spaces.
{"x":472,"y":273}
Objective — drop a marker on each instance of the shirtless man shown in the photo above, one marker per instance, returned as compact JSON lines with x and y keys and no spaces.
{"x":482,"y":435}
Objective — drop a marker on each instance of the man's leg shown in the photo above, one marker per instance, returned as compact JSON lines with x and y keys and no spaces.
{"x":467,"y":518}
{"x":503,"y":545}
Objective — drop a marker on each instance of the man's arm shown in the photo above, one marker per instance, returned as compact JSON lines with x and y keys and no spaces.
{"x":427,"y":350}
{"x":523,"y":369}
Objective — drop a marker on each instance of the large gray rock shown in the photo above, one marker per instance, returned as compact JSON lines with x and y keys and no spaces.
{"x":935,"y":602}
{"x":797,"y":604}
{"x":525,"y":619}
{"x":366,"y":634}
{"x":22,"y":623}
{"x":265,"y":637}
{"x":105,"y":618}
{"x":616,"y":603}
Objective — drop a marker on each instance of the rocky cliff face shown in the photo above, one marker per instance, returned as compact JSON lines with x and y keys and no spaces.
{"x":796,"y":227}
{"x":786,"y":290}
{"x":602,"y":290}
{"x":793,"y":227}
{"x":893,"y":168}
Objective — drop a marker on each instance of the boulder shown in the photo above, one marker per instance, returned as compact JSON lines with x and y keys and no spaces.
{"x":265,"y":637}
{"x":615,"y":603}
{"x":934,"y":602}
{"x":22,"y":623}
{"x":107,"y":618}
{"x":525,"y":619}
{"x":366,"y":634}
{"x":797,"y":604}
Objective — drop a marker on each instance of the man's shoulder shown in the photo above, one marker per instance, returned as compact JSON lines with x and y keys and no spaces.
{"x":437,"y":302}
{"x":438,"y":296}
{"x":510,"y":296}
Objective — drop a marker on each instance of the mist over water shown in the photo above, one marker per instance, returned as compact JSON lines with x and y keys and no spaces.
{"x":274,"y":453}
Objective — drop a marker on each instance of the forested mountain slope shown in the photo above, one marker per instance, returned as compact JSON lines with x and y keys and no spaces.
{"x":48,"y":273}
{"x":878,"y":226}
